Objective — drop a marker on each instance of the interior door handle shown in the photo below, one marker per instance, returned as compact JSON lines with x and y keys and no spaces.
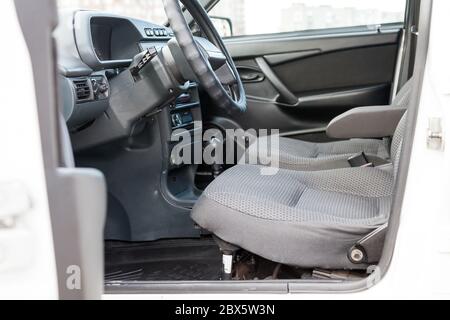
{"x":250,"y":75}
{"x":285,"y":95}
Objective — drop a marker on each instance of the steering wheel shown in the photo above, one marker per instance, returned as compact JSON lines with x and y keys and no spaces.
{"x":208,"y":58}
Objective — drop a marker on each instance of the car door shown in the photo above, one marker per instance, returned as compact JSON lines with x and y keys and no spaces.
{"x":27,"y":258}
{"x":305,"y":62}
{"x":61,"y":228}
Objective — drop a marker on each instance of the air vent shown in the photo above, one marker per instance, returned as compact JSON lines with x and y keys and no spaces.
{"x":83,"y":89}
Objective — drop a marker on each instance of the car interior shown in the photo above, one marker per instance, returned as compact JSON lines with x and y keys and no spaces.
{"x":339,"y":99}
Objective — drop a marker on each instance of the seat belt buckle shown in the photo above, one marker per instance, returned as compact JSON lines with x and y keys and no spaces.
{"x":360,"y":161}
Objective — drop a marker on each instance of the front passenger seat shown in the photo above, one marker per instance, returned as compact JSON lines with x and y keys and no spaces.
{"x":306,"y":156}
{"x":304,"y":219}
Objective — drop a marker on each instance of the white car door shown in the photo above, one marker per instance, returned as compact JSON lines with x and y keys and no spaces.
{"x":27,"y":259}
{"x":52,"y":214}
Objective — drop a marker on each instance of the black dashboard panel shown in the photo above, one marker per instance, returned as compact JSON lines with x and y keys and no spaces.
{"x":114,"y":38}
{"x":108,"y":41}
{"x":101,"y":38}
{"x":95,"y":45}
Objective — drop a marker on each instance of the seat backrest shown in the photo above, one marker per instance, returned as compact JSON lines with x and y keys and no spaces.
{"x":404,"y":95}
{"x":397,"y":142}
{"x":403,"y":99}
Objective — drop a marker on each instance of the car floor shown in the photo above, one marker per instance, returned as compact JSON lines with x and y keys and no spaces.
{"x":184,"y":260}
{"x":165,"y":260}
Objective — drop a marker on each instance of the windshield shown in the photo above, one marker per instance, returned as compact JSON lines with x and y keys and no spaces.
{"x":148,"y":10}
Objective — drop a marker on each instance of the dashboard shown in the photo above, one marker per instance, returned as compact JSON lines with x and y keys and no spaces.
{"x":110,"y":41}
{"x":93,"y":47}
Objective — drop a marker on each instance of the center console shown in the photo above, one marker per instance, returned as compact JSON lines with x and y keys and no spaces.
{"x":186,"y":109}
{"x":183,"y":116}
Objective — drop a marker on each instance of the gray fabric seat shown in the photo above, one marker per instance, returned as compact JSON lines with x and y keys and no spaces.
{"x":305,"y":219}
{"x":307,"y":156}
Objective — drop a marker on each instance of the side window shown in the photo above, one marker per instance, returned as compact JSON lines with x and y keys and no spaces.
{"x":256,"y":17}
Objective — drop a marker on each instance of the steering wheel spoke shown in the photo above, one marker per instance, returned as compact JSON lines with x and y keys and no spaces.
{"x":226,"y":75}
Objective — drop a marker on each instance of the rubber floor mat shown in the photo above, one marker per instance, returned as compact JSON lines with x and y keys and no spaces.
{"x":168,"y":260}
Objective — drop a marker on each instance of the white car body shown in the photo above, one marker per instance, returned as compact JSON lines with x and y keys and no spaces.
{"x":420,"y":265}
{"x":27,"y":260}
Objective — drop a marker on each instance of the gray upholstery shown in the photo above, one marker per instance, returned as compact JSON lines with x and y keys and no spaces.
{"x":306,"y":219}
{"x":397,"y":143}
{"x":366,"y":122}
{"x":403,"y":97}
{"x":306,"y":156}
{"x":294,"y":217}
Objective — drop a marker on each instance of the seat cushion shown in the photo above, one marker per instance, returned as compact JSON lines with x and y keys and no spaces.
{"x":306,"y":219}
{"x":307,"y":156}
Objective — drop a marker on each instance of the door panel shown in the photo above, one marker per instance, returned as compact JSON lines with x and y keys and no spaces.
{"x":301,"y":81}
{"x":339,"y":69}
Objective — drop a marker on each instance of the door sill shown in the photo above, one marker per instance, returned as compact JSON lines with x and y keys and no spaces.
{"x":236,"y":287}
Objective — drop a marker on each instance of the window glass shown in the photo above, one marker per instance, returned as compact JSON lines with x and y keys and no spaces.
{"x":253,"y":17}
{"x":149,"y":10}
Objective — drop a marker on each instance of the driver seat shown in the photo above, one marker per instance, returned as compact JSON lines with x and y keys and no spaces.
{"x":307,"y":156}
{"x":304,"y":219}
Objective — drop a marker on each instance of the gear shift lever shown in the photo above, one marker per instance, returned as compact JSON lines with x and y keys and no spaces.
{"x":217,"y":169}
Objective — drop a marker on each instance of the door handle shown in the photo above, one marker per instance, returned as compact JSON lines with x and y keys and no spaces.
{"x":250,"y":75}
{"x":285,"y":95}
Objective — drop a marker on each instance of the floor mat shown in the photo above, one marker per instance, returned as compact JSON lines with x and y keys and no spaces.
{"x":168,"y":260}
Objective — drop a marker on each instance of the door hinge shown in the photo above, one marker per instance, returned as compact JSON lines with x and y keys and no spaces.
{"x":435,"y":136}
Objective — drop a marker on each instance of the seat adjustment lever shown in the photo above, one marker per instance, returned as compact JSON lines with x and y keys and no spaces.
{"x":370,"y":248}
